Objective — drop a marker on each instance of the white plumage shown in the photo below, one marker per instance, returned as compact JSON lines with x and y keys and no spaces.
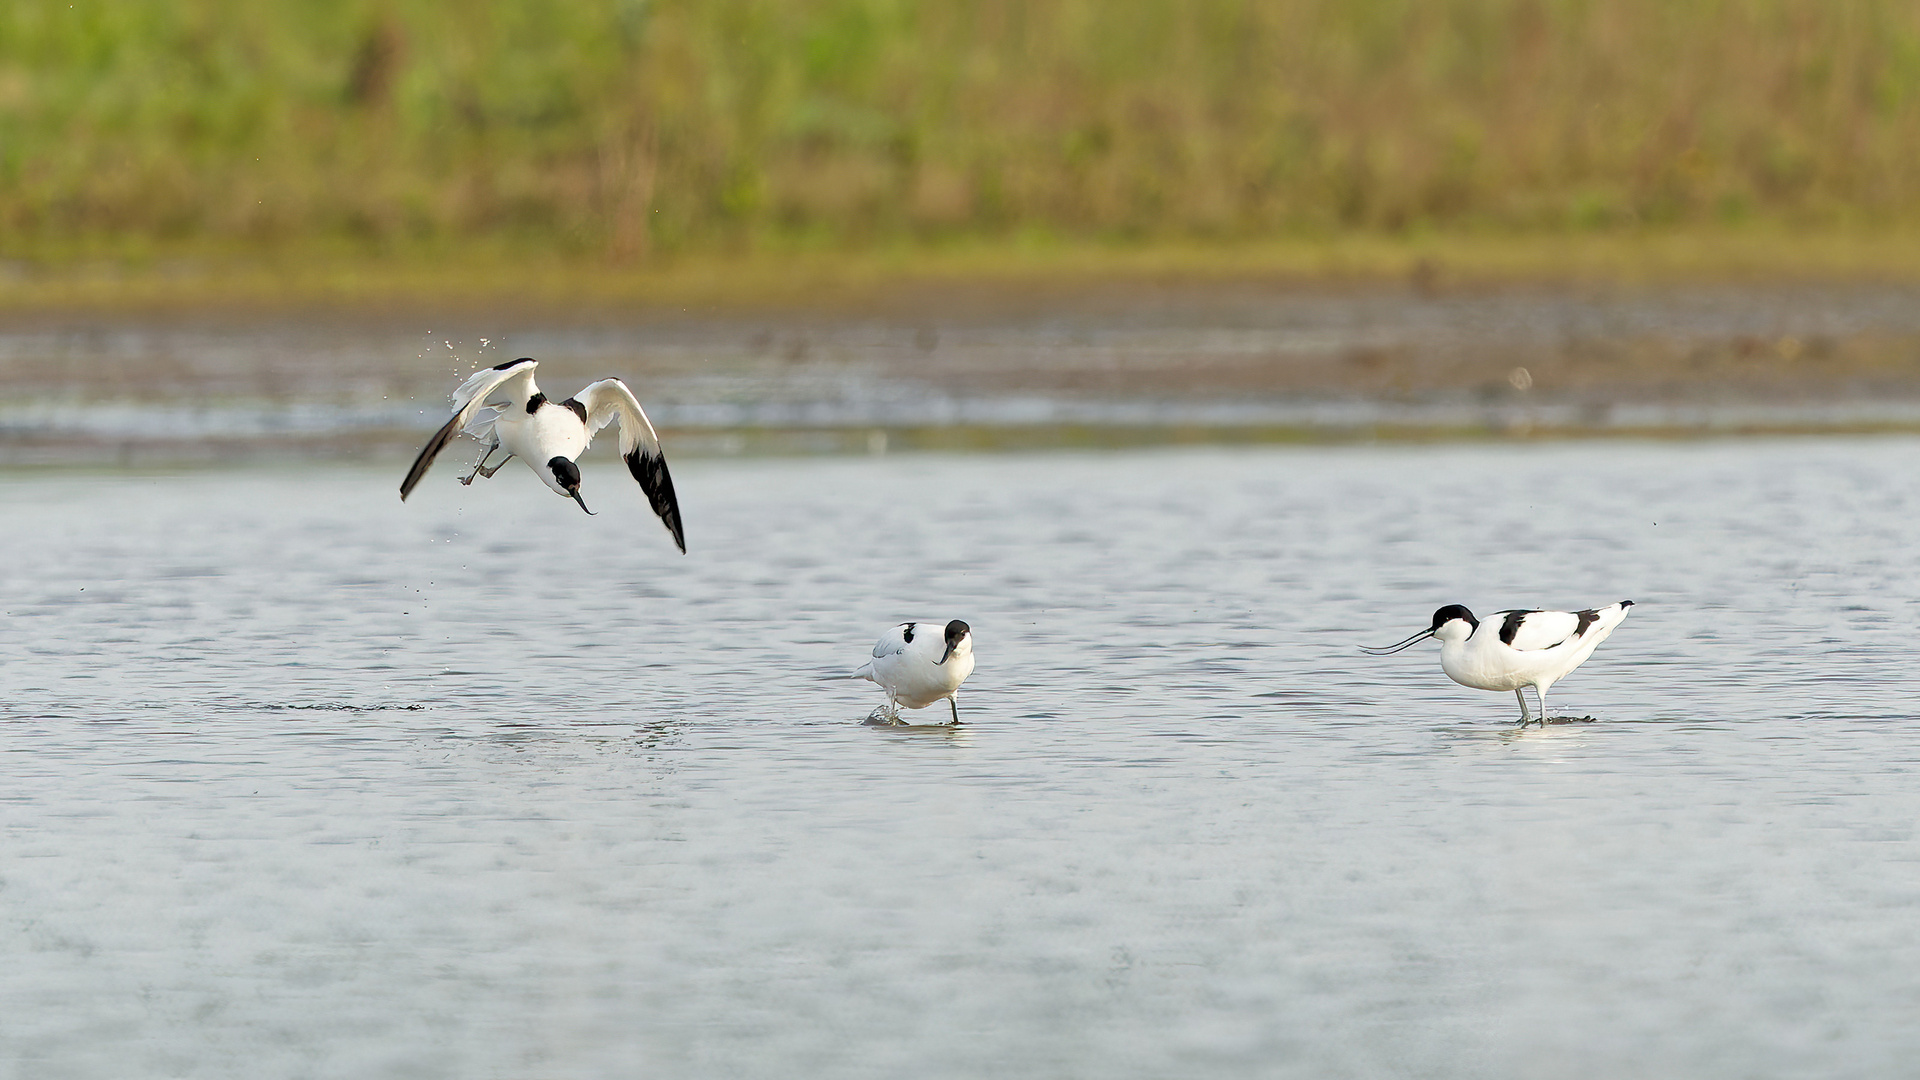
{"x":1516,"y":649}
{"x":918,"y":664}
{"x":504,"y":408}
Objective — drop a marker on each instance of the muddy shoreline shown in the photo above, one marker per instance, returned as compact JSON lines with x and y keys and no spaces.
{"x":1118,"y":365}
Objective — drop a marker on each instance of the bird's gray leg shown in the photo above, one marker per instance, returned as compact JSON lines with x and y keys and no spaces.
{"x":1542,"y":691}
{"x":468,"y":479}
{"x":1521,"y":696}
{"x":952,"y":704}
{"x":480,"y":468}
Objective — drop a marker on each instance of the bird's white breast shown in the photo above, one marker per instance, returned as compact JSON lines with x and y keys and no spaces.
{"x":1482,"y":662}
{"x":551,"y":431}
{"x":914,"y":677}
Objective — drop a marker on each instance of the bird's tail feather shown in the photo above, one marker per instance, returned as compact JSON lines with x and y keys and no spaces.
{"x":1614,"y":614}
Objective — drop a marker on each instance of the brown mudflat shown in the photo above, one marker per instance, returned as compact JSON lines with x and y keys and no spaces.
{"x":1241,"y":359}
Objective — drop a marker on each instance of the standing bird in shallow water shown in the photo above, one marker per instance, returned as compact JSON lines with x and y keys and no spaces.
{"x":551,"y":435}
{"x":1516,"y":648}
{"x":918,"y":665}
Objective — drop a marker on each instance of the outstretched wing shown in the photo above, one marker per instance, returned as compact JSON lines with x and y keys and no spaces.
{"x":513,"y":379}
{"x":609,"y":400}
{"x":1530,"y":631}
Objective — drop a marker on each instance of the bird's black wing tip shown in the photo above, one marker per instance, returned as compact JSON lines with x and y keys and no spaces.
{"x":650,"y":471}
{"x":427,"y":453}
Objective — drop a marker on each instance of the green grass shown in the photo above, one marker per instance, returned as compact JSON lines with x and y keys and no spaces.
{"x":313,"y":145}
{"x":499,"y":277}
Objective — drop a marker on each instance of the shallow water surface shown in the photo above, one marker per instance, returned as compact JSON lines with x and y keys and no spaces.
{"x":306,"y":782}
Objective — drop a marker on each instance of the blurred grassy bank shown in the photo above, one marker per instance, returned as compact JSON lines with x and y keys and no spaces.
{"x":168,"y":150}
{"x":981,"y":274}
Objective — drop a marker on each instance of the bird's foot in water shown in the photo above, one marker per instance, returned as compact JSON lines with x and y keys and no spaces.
{"x":884,"y":716}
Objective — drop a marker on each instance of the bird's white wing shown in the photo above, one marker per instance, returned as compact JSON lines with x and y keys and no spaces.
{"x":511,"y":382}
{"x":1529,"y":631}
{"x":892,"y":643}
{"x":895,"y":641}
{"x":609,"y":400}
{"x":480,"y":424}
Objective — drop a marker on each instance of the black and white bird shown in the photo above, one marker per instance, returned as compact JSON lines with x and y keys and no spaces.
{"x":1515,"y":649}
{"x":502,"y":407}
{"x":918,"y":664}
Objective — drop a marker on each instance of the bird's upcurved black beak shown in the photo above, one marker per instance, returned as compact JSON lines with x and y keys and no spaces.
{"x":583,"y":503}
{"x":1383,"y":651}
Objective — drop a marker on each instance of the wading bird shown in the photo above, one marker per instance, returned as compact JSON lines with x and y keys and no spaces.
{"x":504,"y":408}
{"x":1514,"y":649}
{"x":918,"y":664}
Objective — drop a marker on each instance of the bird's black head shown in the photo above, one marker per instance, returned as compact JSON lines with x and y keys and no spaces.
{"x":1440,"y":618}
{"x":957,"y":632}
{"x":568,"y":475}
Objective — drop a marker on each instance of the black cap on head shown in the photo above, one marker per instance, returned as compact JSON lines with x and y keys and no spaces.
{"x":955,"y":631}
{"x":569,"y":476}
{"x":1451,"y":612}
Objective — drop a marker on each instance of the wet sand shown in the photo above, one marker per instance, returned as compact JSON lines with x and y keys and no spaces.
{"x":1121,"y":363}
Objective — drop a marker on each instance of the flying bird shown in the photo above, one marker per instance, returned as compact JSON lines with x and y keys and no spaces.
{"x":503,"y":407}
{"x":1515,"y":649}
{"x":918,"y":664}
